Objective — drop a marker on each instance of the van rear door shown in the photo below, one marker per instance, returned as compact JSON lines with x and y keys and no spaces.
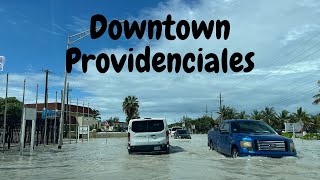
{"x":148,"y":132}
{"x":140,"y":133}
{"x":157,"y":132}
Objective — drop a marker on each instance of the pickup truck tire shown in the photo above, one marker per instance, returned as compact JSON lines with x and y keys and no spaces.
{"x":235,"y":152}
{"x":211,"y":145}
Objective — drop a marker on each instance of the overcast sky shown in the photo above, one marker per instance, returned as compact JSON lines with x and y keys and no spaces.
{"x":283,"y":34}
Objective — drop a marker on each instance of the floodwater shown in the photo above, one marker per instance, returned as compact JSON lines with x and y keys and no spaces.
{"x":188,"y":159}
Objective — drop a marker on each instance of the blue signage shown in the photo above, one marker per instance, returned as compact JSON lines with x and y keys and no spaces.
{"x":50,"y":114}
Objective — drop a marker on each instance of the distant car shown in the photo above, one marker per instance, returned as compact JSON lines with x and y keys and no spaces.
{"x":147,"y":135}
{"x":174,"y":129}
{"x":182,"y":134}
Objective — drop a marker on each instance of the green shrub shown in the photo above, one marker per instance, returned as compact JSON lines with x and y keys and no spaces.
{"x":311,"y":136}
{"x":287,"y":134}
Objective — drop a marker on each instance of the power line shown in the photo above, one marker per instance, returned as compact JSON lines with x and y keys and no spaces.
{"x":295,"y":49}
{"x":270,"y":75}
{"x":287,"y":99}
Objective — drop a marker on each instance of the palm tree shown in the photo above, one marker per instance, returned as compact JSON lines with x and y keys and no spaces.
{"x":97,"y":114}
{"x":130,"y":107}
{"x":256,"y":115}
{"x":227,"y":113}
{"x":231,"y":113}
{"x":242,"y":115}
{"x":317,"y":96}
{"x":222,"y":113}
{"x":314,"y":123}
{"x":303,"y":116}
{"x":300,"y":115}
{"x":283,"y":117}
{"x":269,"y":116}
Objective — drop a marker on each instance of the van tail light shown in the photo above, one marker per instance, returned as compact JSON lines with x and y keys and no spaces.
{"x":167,"y":133}
{"x":128,"y":138}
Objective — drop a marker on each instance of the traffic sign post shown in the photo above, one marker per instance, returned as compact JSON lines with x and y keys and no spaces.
{"x":28,"y":114}
{"x":83,"y":130}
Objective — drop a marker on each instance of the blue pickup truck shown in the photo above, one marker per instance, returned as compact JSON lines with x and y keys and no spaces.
{"x":249,"y":138}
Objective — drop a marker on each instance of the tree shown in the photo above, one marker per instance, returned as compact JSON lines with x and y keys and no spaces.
{"x":14,"y":111}
{"x":227,"y":113}
{"x":314,"y":124}
{"x":97,"y":114}
{"x":283,"y":117}
{"x":130,"y":107}
{"x":317,"y":96}
{"x":112,"y":120}
{"x":269,"y":116}
{"x":231,"y":113}
{"x":256,"y":115}
{"x":301,"y":115}
{"x":242,"y":115}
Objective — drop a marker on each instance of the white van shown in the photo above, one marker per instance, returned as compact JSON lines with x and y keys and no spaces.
{"x":148,"y":134}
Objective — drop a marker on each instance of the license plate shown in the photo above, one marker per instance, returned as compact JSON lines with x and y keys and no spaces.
{"x":157,"y":148}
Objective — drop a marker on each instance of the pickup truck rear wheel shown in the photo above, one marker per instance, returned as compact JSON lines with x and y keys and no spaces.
{"x":235,"y":152}
{"x":211,"y":145}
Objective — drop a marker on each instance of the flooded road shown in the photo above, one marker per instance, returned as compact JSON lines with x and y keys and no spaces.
{"x":189,"y":159}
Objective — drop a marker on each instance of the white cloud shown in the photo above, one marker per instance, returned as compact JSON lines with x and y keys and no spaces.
{"x":261,"y":26}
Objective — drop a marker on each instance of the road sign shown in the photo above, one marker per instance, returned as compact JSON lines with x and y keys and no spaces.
{"x":83,"y":129}
{"x":31,"y":113}
{"x":50,"y":114}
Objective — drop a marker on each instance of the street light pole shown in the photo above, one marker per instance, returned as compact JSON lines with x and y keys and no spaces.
{"x":82,"y":35}
{"x":63,"y":103}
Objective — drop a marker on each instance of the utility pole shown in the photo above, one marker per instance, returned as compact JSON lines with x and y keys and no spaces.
{"x":77,"y":122}
{"x":88,"y":111}
{"x":70,"y":106}
{"x":220,"y":107}
{"x":22,"y":131}
{"x":206,"y":110}
{"x":220,"y":101}
{"x":82,"y":120}
{"x":61,"y":125}
{"x":37,"y":107}
{"x":5,"y":116}
{"x":46,"y":107}
{"x":55,"y":120}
